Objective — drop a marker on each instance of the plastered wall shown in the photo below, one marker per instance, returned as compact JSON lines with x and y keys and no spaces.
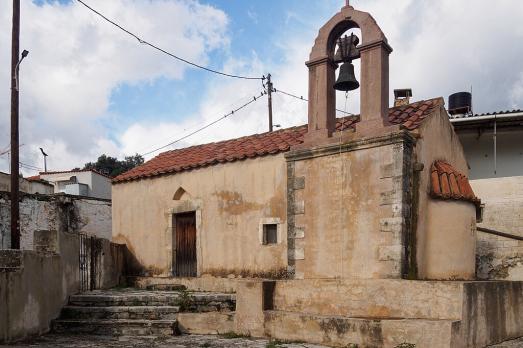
{"x":231,"y":201}
{"x":440,"y":222}
{"x":348,"y":216}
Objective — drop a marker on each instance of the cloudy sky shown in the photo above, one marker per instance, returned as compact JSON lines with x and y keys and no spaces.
{"x":88,"y":89}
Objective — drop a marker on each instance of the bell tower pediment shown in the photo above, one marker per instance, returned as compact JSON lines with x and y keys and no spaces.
{"x":323,"y":61}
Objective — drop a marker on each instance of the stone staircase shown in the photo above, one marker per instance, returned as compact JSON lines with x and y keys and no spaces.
{"x":144,"y":312}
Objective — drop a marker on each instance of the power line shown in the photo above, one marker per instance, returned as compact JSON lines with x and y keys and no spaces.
{"x":166,"y":52}
{"x":29,"y":166}
{"x":229,"y":107}
{"x":304,"y":99}
{"x":254,"y":99}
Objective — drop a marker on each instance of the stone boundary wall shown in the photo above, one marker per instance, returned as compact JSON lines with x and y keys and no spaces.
{"x":499,"y":257}
{"x":34,"y":286}
{"x":74,"y":214}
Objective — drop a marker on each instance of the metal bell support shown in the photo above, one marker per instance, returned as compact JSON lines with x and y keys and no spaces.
{"x":346,"y":79}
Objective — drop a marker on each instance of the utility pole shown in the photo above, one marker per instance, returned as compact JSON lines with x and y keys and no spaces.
{"x":269,"y":94}
{"x":15,"y":53}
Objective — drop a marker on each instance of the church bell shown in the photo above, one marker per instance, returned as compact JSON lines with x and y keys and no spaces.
{"x":346,"y":80}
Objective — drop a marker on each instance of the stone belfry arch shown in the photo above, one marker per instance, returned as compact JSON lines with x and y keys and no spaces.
{"x":374,"y":79}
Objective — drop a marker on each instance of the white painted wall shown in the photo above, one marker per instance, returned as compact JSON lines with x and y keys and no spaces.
{"x":93,"y":217}
{"x":99,"y":185}
{"x":479,"y":150}
{"x":25,"y":185}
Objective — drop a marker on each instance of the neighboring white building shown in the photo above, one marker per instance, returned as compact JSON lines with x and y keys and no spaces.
{"x":493,"y":145}
{"x":27,"y":185}
{"x":89,"y":183}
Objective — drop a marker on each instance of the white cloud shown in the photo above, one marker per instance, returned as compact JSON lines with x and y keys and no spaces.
{"x":439,"y":48}
{"x":76,"y":60}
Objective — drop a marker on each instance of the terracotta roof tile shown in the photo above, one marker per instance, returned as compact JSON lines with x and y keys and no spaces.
{"x":410,"y":116}
{"x":447,"y":183}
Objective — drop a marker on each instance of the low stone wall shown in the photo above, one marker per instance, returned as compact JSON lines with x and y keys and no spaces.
{"x":61,"y":213}
{"x":381,"y":313}
{"x":34,"y":286}
{"x":499,"y":257}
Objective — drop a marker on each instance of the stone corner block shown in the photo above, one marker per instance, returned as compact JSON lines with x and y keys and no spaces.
{"x":390,"y":253}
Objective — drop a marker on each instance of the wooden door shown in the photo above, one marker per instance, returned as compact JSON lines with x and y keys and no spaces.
{"x":185,"y":236}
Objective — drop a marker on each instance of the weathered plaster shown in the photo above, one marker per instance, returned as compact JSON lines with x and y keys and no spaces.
{"x":230,"y":201}
{"x":55,"y":213}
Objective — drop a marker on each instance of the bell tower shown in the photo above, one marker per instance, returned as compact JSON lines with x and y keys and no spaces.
{"x":374,"y":53}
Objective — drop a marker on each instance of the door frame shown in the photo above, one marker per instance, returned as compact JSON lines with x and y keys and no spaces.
{"x":179,"y":207}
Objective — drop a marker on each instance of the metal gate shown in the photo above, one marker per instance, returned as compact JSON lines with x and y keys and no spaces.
{"x":89,"y":262}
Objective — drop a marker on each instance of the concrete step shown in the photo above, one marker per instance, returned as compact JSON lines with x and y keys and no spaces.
{"x":121,"y":312}
{"x":363,"y":332}
{"x":187,"y":301}
{"x":118,"y":327}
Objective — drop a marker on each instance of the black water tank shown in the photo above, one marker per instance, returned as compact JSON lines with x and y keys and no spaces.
{"x":460,"y":103}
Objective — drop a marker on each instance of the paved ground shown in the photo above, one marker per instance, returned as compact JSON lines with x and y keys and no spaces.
{"x":190,"y":341}
{"x":510,"y":344}
{"x":78,"y":341}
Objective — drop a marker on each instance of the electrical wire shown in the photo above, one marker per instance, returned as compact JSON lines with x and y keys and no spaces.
{"x":166,"y":52}
{"x":254,"y":99}
{"x":229,"y":106}
{"x":304,"y":99}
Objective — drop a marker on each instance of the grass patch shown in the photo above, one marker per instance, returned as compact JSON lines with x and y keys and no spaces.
{"x":406,"y":345}
{"x":278,"y":343}
{"x":231,"y":334}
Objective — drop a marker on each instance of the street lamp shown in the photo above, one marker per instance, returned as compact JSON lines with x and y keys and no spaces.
{"x":17,"y":68}
{"x":45,"y":159}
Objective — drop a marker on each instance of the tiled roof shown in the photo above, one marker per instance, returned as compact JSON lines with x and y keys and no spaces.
{"x":448,"y":183}
{"x":410,"y":116}
{"x":33,"y":178}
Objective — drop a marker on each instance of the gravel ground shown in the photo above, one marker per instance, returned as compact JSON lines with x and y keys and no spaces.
{"x":84,"y":341}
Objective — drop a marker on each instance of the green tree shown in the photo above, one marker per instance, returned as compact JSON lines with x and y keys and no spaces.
{"x":112,"y":166}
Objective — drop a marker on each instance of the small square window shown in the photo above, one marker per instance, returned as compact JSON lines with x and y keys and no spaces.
{"x":270,"y":234}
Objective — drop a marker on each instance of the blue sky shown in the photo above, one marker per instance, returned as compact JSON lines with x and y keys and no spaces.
{"x":89,"y":89}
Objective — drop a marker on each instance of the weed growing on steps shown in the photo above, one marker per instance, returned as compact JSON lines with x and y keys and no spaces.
{"x":231,"y":335}
{"x":185,"y":300}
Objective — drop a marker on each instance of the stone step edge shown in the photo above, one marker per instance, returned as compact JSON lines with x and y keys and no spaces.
{"x":129,"y":322}
{"x":148,"y":297}
{"x":114,"y":309}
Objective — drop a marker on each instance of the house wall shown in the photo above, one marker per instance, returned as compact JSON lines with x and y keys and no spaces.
{"x":479,"y":149}
{"x":54,"y":213}
{"x":500,"y":257}
{"x":437,"y":226}
{"x":231,"y":201}
{"x":347,"y":208}
{"x":100,"y":186}
{"x":25,"y":185}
